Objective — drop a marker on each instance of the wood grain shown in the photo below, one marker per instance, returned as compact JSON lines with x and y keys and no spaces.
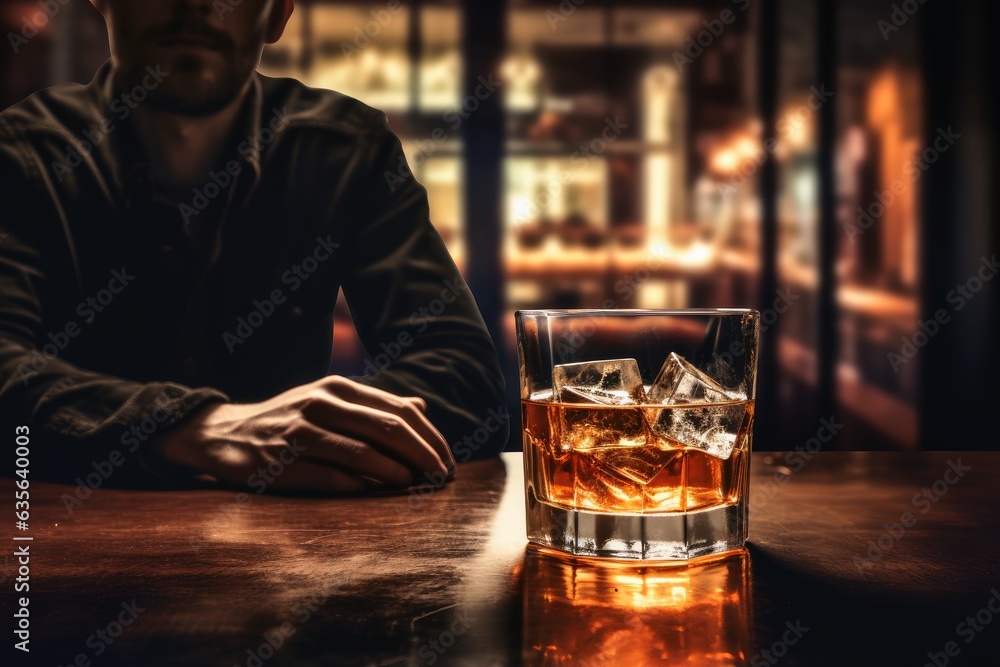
{"x":445,"y":578}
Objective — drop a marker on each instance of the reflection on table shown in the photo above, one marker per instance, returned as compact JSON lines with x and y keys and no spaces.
{"x":583,"y":611}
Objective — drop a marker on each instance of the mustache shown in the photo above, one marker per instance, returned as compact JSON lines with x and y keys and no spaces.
{"x":190,"y":27}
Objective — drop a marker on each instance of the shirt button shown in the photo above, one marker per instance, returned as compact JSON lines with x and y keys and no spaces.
{"x":167,"y":247}
{"x":296,"y":311}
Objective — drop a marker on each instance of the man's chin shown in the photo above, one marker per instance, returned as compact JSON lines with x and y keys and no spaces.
{"x":192,"y":100}
{"x":198,"y":108}
{"x":189,"y":87}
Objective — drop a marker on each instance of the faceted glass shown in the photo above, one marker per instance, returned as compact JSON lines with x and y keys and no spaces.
{"x":637,"y":429}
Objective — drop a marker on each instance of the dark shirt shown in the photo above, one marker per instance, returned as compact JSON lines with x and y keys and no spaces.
{"x":123,"y":310}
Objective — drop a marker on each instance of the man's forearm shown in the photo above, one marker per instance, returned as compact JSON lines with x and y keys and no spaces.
{"x":90,"y":411}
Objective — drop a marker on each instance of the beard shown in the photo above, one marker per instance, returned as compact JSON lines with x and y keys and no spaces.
{"x":192,"y":86}
{"x":205,"y":73}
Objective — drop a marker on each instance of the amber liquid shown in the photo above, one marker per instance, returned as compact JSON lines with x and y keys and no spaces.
{"x":610,"y":458}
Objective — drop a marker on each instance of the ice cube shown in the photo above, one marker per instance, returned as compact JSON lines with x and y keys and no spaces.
{"x":607,"y":382}
{"x":680,"y":382}
{"x":705,"y":415}
{"x":641,"y":464}
{"x":715,"y":428}
{"x":582,"y":428}
{"x":601,"y":488}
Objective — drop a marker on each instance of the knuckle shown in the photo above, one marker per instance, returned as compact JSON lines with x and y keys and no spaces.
{"x":414,"y":414}
{"x":297,"y":428}
{"x":307,"y":407}
{"x":313,"y":404}
{"x":336,"y":382}
{"x":390,"y":423}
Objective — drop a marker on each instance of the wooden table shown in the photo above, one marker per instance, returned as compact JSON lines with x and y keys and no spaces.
{"x":215,"y":578}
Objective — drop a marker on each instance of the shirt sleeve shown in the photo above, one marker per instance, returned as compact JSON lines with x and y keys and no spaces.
{"x":79,"y":415}
{"x":415,"y":314}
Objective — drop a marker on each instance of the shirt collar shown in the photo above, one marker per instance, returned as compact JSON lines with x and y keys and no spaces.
{"x":128,"y":160}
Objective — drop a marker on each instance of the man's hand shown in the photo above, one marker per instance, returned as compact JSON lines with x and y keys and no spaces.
{"x":352,"y":438}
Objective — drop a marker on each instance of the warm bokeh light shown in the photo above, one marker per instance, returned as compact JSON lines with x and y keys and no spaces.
{"x":631,"y":169}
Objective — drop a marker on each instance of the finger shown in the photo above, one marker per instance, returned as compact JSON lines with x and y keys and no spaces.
{"x":399,"y":405}
{"x":426,"y":428}
{"x":394,"y":435}
{"x":419,"y":420}
{"x":351,"y":455}
{"x":386,"y":431}
{"x":423,"y":425}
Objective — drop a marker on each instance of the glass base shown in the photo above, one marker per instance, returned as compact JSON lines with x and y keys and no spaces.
{"x":680,"y":536}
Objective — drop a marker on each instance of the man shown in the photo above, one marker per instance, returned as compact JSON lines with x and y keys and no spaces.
{"x":174,"y":238}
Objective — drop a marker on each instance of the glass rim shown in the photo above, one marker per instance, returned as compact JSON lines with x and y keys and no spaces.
{"x":636,"y":311}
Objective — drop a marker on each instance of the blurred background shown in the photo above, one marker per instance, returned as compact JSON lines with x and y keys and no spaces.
{"x":830,"y":163}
